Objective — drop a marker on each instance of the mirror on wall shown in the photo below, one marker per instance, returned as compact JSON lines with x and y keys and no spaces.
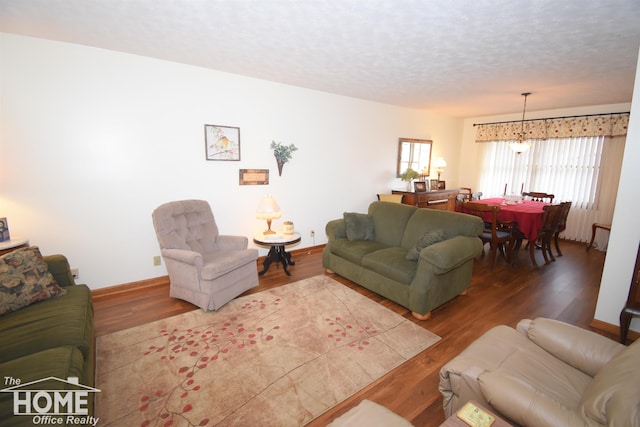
{"x":414,"y":154}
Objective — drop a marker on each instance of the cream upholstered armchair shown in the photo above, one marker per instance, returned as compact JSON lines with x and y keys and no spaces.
{"x":205,"y":268}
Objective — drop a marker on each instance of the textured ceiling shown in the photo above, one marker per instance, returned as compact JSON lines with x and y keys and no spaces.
{"x":464,"y":58}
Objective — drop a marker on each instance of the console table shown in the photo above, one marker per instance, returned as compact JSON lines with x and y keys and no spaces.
{"x":441,"y":199}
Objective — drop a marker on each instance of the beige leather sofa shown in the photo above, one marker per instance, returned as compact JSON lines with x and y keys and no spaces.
{"x":547,"y":373}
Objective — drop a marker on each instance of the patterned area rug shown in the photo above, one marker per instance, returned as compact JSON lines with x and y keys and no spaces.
{"x":278,"y":358}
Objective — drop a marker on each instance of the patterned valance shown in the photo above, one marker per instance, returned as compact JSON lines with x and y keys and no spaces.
{"x":607,"y":125}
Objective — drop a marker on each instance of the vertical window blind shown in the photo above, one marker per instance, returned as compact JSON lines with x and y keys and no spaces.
{"x":584,"y":169}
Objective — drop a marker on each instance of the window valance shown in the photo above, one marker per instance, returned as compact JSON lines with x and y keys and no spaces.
{"x":599,"y":125}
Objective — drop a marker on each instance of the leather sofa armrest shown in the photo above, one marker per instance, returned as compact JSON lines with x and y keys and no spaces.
{"x":232,"y":243}
{"x":336,"y":229}
{"x":583,"y":349}
{"x":183,"y":256}
{"x":458,"y":385}
{"x":524,"y":405}
{"x":58,"y":266}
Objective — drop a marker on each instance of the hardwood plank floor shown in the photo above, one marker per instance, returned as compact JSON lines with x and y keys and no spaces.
{"x":565,"y":290}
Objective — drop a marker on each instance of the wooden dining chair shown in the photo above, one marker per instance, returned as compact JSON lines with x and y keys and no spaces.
{"x":497,"y":238}
{"x":565,"y":207}
{"x":545,"y":234}
{"x":464,"y":194}
{"x":539,"y":196}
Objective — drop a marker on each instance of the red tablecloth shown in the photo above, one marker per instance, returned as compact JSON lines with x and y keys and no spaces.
{"x":528,"y":215}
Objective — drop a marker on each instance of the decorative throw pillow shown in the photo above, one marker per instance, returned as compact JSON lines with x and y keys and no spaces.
{"x":25,"y":279}
{"x":359,"y":226}
{"x":425,"y":240}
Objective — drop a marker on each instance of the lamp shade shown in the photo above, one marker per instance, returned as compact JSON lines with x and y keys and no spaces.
{"x":440,"y":163}
{"x":268,"y":208}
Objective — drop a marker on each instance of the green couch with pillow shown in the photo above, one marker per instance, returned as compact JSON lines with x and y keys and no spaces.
{"x":46,"y":329}
{"x":419,"y":258}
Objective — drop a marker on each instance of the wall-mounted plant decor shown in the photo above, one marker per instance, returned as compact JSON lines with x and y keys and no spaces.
{"x":222,"y":142}
{"x":282,"y":154}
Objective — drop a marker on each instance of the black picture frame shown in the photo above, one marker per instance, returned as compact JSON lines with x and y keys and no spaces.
{"x":420,"y":186}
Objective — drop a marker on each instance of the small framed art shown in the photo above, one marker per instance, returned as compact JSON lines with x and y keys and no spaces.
{"x":420,"y":186}
{"x":254,"y":176}
{"x":222,"y":142}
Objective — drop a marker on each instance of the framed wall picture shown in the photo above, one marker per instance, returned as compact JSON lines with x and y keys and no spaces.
{"x":222,"y":142}
{"x":254,"y":176}
{"x":4,"y":230}
{"x":420,"y":186}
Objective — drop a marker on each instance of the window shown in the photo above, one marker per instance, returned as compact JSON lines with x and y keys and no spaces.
{"x":566,"y":167}
{"x":584,"y":170}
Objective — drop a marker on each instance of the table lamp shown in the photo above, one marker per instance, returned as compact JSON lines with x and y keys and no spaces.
{"x":268,"y":209}
{"x":439,"y":164}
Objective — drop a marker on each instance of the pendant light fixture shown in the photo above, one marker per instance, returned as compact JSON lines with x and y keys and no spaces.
{"x":520,"y":146}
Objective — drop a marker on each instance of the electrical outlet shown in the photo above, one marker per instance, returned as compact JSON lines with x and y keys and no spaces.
{"x":312,"y":233}
{"x":157,"y":261}
{"x":74,"y":273}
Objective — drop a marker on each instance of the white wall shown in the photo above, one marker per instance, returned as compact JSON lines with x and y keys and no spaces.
{"x":91,"y":141}
{"x":625,"y":229}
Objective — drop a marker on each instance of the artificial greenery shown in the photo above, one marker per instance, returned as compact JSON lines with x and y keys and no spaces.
{"x":283,"y":152}
{"x":409,"y":174}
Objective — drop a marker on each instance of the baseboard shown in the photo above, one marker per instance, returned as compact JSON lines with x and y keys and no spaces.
{"x":612,"y":329}
{"x":97,"y":294}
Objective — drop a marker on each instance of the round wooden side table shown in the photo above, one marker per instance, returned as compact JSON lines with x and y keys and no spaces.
{"x":277,"y":249}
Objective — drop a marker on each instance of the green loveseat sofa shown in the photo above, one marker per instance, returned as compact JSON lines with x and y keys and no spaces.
{"x":375,"y":251}
{"x":46,"y":343}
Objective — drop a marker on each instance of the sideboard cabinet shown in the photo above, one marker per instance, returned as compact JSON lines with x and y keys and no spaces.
{"x":441,"y":199}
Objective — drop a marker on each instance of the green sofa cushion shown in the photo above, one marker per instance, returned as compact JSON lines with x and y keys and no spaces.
{"x":390,"y":220}
{"x":392,"y":263}
{"x":451,"y":223}
{"x":25,"y":280}
{"x":60,"y":362}
{"x":427,"y":239}
{"x":65,"y":320}
{"x":359,"y":226}
{"x":354,"y":251}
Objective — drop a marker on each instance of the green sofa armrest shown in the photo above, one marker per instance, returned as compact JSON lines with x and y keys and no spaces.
{"x":451,"y":253}
{"x":336,"y":229}
{"x":59,"y":267}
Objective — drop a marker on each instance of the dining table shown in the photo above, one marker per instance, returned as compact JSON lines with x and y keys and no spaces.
{"x":528,"y":216}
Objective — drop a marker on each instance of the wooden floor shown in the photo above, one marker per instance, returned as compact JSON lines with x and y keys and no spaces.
{"x":566,"y":290}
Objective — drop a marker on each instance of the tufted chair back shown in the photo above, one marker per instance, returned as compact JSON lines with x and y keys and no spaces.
{"x":186,"y":224}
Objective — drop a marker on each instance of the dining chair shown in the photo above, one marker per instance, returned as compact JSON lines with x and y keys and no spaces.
{"x":498,"y":239}
{"x":545,"y":234}
{"x":465,"y":194}
{"x":565,"y":207}
{"x":539,"y":196}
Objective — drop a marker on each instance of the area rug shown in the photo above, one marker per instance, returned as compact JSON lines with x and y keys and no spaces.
{"x":280,"y":357}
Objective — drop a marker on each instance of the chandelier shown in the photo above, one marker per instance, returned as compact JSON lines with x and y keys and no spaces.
{"x":520,"y":146}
